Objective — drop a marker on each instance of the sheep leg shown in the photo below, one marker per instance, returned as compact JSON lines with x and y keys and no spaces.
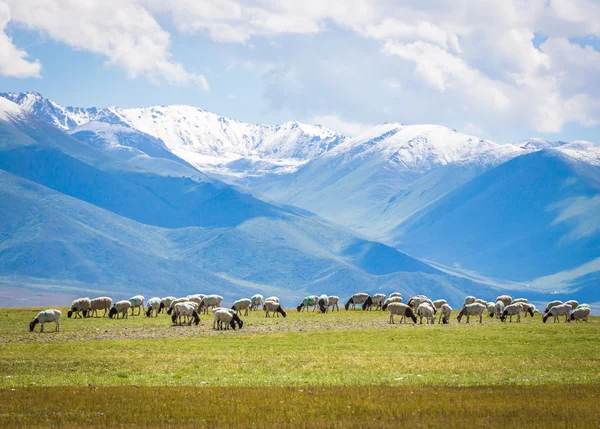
{"x":57,"y":326}
{"x":42,"y":327}
{"x":481,"y":318}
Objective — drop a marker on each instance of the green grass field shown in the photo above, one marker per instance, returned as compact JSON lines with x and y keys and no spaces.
{"x":346,"y":369}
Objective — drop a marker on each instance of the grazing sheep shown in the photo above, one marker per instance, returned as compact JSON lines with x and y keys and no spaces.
{"x":581,"y":313}
{"x":400,"y":309}
{"x":273,"y":298}
{"x":572,"y":303}
{"x":517,"y":300}
{"x":393,"y":294}
{"x":481,"y":301}
{"x":357,"y":298}
{"x":165,"y":303}
{"x":499,"y":308}
{"x":506,"y":299}
{"x":272,"y":306}
{"x":333,"y":302}
{"x":475,"y":309}
{"x":552,"y":304}
{"x":120,"y":307}
{"x":186,"y":309}
{"x":528,"y":308}
{"x":425,"y":310}
{"x":437,"y":304}
{"x":82,"y":305}
{"x":491,"y":308}
{"x":390,"y":300}
{"x":377,"y":300}
{"x":309,"y":301}
{"x":224,"y":319}
{"x":210,"y":301}
{"x":197,"y":298}
{"x":515,"y":310}
{"x":257,"y":301}
{"x":175,"y":301}
{"x":469,"y":300}
{"x":323,"y":303}
{"x":153,"y":304}
{"x":417,"y":300}
{"x":445,"y":311}
{"x":46,"y":316}
{"x":242,"y":304}
{"x":558,"y":310}
{"x":583,"y":306}
{"x":137,"y":302}
{"x":100,"y":303}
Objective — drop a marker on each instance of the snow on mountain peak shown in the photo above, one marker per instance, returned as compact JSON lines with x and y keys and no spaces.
{"x":9,"y":110}
{"x":580,"y":150}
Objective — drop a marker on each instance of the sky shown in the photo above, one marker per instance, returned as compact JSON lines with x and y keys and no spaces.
{"x":504,"y":70}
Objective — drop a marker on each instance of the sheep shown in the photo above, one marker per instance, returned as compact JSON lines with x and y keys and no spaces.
{"x":499,"y":308}
{"x":272,"y":306}
{"x":469,"y":300}
{"x":210,"y":301}
{"x":186,"y":309}
{"x":400,"y":309}
{"x":445,"y":311}
{"x":82,"y":305}
{"x":165,"y":303}
{"x":572,"y":303}
{"x":153,"y":304}
{"x":475,"y":309}
{"x":357,"y":298}
{"x":393,"y":294}
{"x":257,"y":300}
{"x":377,"y":299}
{"x":417,"y":300}
{"x":517,"y":300}
{"x":100,"y":303}
{"x":481,"y":301}
{"x":528,"y":308}
{"x":506,"y":299}
{"x":552,"y":304}
{"x":273,"y":298}
{"x":390,"y":300}
{"x":242,"y":304}
{"x":583,"y":306}
{"x":491,"y":308}
{"x":197,"y":298}
{"x":173,"y":302}
{"x":580,"y":313}
{"x":425,"y":310}
{"x":515,"y":309}
{"x":323,"y":303}
{"x":308,"y":301}
{"x":558,"y":310}
{"x":437,"y":304}
{"x":333,"y":302}
{"x":137,"y":302}
{"x":224,"y":319}
{"x":46,"y":316}
{"x":120,"y":307}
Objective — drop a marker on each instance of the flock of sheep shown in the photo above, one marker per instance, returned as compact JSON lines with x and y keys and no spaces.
{"x":187,"y":310}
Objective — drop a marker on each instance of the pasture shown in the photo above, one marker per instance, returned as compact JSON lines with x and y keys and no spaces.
{"x":345,"y":369}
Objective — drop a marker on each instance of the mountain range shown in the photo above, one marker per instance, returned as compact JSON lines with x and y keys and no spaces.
{"x":475,"y":213}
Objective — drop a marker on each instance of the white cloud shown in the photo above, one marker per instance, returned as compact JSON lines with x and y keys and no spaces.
{"x":13,"y":61}
{"x":122,"y":30}
{"x":334,"y":122}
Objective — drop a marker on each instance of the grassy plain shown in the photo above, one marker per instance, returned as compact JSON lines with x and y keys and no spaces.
{"x":332,"y":370}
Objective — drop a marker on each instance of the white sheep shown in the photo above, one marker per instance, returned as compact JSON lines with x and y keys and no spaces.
{"x":491,"y":308}
{"x":469,"y":300}
{"x":481,"y":301}
{"x":506,"y":299}
{"x":333,"y":302}
{"x":224,"y":319}
{"x":153,"y":305}
{"x":390,"y":300}
{"x":400,"y":309}
{"x":517,"y":300}
{"x":581,"y":313}
{"x":515,"y":310}
{"x":417,"y":300}
{"x":186,"y":309}
{"x":357,"y":298}
{"x":137,"y":302}
{"x":475,"y":309}
{"x":120,"y":307}
{"x":273,"y":307}
{"x":376,"y":300}
{"x":323,"y":303}
{"x":272,"y":298}
{"x":210,"y":301}
{"x":425,"y":310}
{"x":82,"y":305}
{"x":100,"y":303}
{"x":165,"y":303}
{"x":393,"y":294}
{"x":242,"y":304}
{"x":437,"y":304}
{"x":46,"y":316}
{"x":445,"y":311}
{"x":499,"y":308}
{"x":552,"y":304}
{"x":197,"y":298}
{"x":574,"y":304}
{"x":308,"y":301}
{"x":558,"y":310}
{"x":173,"y":302}
{"x":257,"y":301}
{"x":528,"y":308}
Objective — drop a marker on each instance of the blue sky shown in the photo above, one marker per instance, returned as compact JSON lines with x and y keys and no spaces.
{"x":501,"y":70}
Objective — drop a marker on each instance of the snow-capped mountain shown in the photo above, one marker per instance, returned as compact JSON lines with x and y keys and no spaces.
{"x":212,"y":143}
